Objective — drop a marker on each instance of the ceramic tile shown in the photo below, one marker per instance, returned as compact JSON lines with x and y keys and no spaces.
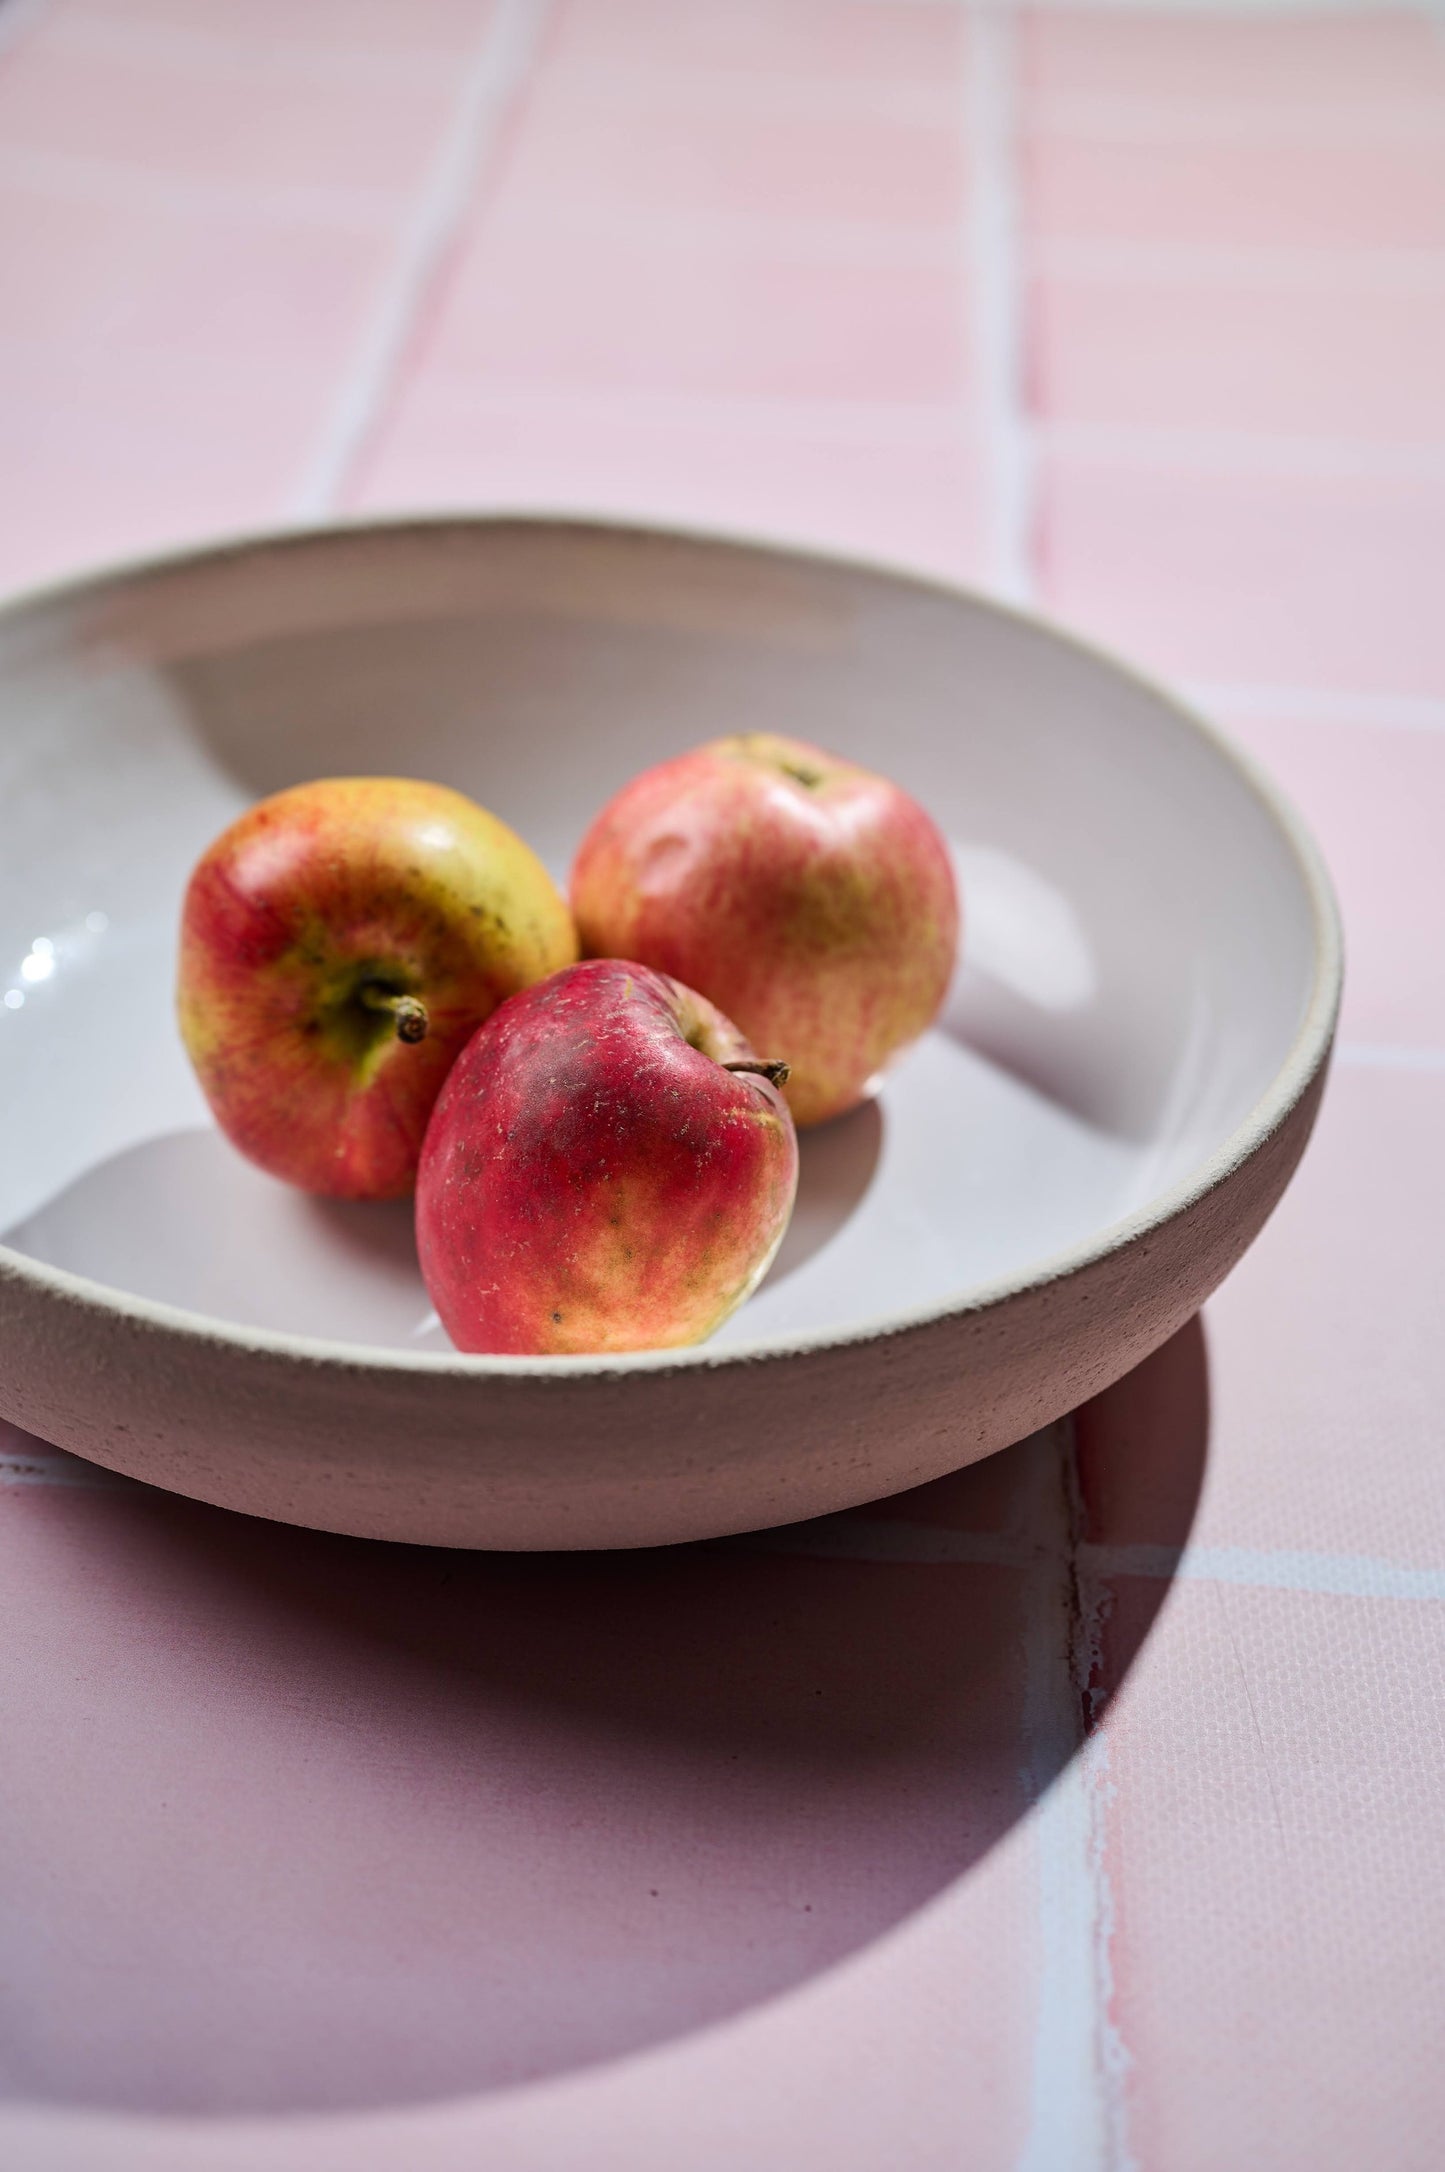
{"x":1329,"y":64}
{"x":144,"y":452}
{"x":883,"y":48}
{"x":122,"y":275}
{"x":392,"y":1782}
{"x":918,"y":2053}
{"x":1188,"y":191}
{"x":1214,"y":568}
{"x":750,"y":163}
{"x":1274,"y":1769}
{"x":415,"y":1817}
{"x":370,"y":27}
{"x":71,"y":270}
{"x":562,"y":309}
{"x":1372,"y":796}
{"x":1314,"y":1401}
{"x":919,"y":2048}
{"x":238,"y":120}
{"x":908,"y":494}
{"x":1258,"y":355}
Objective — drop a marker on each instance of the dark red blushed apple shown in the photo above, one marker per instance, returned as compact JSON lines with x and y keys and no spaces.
{"x":811,"y":900}
{"x":340,"y":944}
{"x":609,"y":1167}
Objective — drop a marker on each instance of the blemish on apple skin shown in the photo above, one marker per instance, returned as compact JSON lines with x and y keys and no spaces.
{"x":662,"y":855}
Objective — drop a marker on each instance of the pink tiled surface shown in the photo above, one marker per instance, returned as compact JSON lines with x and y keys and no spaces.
{"x":1080,"y":1811}
{"x":1267,"y":1879}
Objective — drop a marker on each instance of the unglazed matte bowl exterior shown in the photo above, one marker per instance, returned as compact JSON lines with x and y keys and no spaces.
{"x":1045,"y":1188}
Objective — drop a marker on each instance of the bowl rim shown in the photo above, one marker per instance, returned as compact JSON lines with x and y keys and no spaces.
{"x":1306,"y":1057}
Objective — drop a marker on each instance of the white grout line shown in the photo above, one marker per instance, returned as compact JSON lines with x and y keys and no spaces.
{"x":1070,"y":2118}
{"x":1258,"y":1568}
{"x":1389,"y":1056}
{"x":1112,"y":2056}
{"x":497,"y":72}
{"x":997,"y":299}
{"x":885,"y":1540}
{"x":1403,"y":712}
{"x":1093,"y":1603}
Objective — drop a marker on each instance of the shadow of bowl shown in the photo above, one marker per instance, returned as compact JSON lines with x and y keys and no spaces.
{"x":308,"y":1823}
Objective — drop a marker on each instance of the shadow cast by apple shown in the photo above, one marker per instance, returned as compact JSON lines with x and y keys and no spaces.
{"x":836,"y":1164}
{"x":369,"y":1825}
{"x":145,"y":1220}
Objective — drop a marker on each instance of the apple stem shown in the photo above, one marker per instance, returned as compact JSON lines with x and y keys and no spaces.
{"x":408,"y":1011}
{"x":772,"y":1068}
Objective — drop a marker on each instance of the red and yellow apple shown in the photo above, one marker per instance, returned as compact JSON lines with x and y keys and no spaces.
{"x":340,"y":944}
{"x":811,"y":900}
{"x":609,"y":1167}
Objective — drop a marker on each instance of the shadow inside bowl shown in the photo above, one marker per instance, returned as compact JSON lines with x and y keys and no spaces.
{"x":184,"y":1220}
{"x":836,"y":1164}
{"x":308,"y":1823}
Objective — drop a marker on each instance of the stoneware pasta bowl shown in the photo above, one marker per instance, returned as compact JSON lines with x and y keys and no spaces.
{"x":1045,"y":1189}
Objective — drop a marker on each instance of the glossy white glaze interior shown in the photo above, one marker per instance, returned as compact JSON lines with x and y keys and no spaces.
{"x":1138,"y":949}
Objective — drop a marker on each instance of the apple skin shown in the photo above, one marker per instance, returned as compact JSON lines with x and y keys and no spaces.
{"x":811,"y":900}
{"x":593,"y":1179}
{"x":311,"y":906}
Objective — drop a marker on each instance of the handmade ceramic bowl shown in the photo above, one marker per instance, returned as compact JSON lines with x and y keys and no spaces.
{"x":1044,"y":1190}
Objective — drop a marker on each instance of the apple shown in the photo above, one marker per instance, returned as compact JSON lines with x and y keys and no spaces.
{"x":340,"y":944}
{"x":811,"y":900}
{"x":608,"y":1167}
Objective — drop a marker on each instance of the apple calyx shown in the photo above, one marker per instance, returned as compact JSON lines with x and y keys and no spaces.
{"x":772,"y":1068}
{"x":409,"y":1012}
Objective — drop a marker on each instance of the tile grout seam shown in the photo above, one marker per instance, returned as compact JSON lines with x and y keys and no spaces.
{"x":891,"y":1542}
{"x":885,"y":1540}
{"x":996,"y":295}
{"x":1068,"y":2101}
{"x":1091,"y":1601}
{"x":1077,"y":2058}
{"x":498,"y":72}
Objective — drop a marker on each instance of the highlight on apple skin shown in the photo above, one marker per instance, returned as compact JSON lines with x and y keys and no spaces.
{"x":340,"y":943}
{"x":609,"y":1167}
{"x":811,"y":900}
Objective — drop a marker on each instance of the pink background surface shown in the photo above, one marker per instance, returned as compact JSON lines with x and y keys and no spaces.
{"x":987,"y":1828}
